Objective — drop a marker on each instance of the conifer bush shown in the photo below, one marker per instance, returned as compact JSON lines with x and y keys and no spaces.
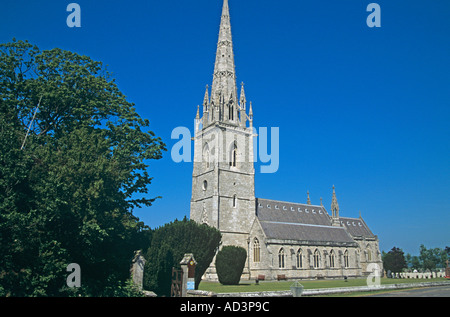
{"x":230,"y":262}
{"x":168,"y":245}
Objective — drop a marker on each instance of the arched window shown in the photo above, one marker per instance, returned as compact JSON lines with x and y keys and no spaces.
{"x":299,"y":259}
{"x":233,"y":155}
{"x":281,"y":258}
{"x":369,"y":255}
{"x":331,"y":258}
{"x":231,"y":112}
{"x":346,"y":258}
{"x":256,"y":251}
{"x":316,"y":259}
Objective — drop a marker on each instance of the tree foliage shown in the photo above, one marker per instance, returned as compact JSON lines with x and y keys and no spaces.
{"x":68,"y":192}
{"x":394,"y":260}
{"x":230,"y":262}
{"x":168,"y":245}
{"x":432,"y":258}
{"x":428,"y":259}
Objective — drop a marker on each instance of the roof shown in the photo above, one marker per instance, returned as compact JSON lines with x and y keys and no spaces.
{"x":281,"y":211}
{"x":299,"y":222}
{"x":356,"y":227}
{"x":311,"y":234}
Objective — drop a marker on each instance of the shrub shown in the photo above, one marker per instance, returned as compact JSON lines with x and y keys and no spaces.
{"x":230,"y":263}
{"x":168,"y":245}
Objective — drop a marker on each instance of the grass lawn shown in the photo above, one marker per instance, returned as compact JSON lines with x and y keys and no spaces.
{"x":250,"y":286}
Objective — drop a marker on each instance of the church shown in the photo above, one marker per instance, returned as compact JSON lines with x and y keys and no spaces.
{"x":284,"y":240}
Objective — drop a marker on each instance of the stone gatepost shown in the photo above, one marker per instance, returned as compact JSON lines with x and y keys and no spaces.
{"x":188,"y":264}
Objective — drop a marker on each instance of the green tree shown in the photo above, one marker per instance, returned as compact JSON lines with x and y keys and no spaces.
{"x":412,"y":261}
{"x":415,"y":262}
{"x":230,"y":261}
{"x":431,"y":259}
{"x":394,"y":260}
{"x":168,"y":245}
{"x":67,"y":194}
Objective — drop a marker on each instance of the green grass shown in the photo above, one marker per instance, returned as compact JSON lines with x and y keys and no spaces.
{"x":250,"y":286}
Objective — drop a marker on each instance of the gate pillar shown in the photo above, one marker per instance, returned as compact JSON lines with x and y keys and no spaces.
{"x":188,"y":264}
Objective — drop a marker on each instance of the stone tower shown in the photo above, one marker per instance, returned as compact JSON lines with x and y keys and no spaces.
{"x":223,"y":178}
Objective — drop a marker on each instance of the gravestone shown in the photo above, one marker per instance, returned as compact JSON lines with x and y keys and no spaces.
{"x":137,"y":269}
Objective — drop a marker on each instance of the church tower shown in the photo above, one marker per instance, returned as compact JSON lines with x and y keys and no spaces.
{"x":223,"y":178}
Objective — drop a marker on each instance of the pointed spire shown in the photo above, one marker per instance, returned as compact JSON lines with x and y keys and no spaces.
{"x":206,"y":100}
{"x":308,"y":201}
{"x":197,"y":119}
{"x":250,"y":115}
{"x":243,"y":100}
{"x":224,"y":78}
{"x":206,"y":110}
{"x":334,"y":205}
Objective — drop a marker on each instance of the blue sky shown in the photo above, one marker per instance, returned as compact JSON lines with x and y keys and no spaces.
{"x":364,"y":109}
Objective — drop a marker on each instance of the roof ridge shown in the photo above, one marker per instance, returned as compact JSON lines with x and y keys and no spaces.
{"x":292,"y":203}
{"x":302,"y":224}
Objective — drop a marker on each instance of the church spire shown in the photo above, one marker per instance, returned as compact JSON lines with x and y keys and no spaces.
{"x":223,"y":104}
{"x":224,"y":78}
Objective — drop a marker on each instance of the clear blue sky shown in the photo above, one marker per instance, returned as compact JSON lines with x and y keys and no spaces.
{"x":365,"y":109}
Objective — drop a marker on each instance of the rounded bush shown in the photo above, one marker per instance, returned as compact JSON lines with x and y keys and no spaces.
{"x":230,"y":262}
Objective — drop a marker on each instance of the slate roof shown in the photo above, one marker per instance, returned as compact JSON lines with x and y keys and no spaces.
{"x":305,"y":223}
{"x":356,"y":227}
{"x":281,"y":211}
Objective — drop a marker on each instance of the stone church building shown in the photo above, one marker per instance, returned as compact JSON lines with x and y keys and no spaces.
{"x":282,"y":239}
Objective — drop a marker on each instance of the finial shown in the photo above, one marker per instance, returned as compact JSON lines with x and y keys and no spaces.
{"x":243,"y":100}
{"x":321,"y":201}
{"x":198,"y":112}
{"x":308,"y":200}
{"x":206,"y":99}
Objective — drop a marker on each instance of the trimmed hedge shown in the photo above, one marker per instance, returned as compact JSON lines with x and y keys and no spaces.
{"x":230,"y":262}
